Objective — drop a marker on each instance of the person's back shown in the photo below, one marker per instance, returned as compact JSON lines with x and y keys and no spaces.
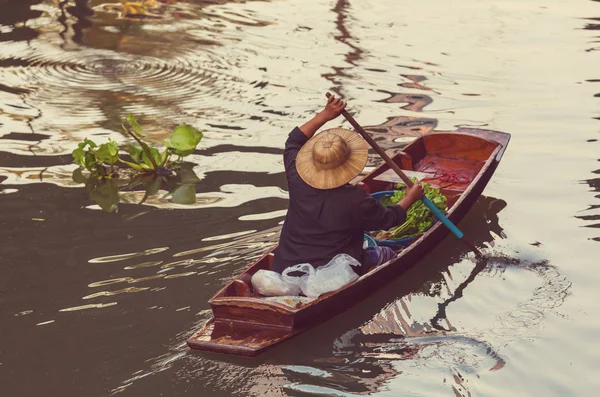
{"x":326,"y":215}
{"x":319,"y":224}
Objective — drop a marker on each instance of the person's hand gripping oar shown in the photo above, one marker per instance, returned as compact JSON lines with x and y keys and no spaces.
{"x":436,"y":211}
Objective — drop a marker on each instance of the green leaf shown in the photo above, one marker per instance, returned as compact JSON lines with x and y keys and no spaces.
{"x":184,"y":194}
{"x":87,"y":142}
{"x":83,"y":157}
{"x":137,"y":167}
{"x":183,"y":140}
{"x":153,"y":186}
{"x":139,"y":156}
{"x":79,"y":156}
{"x":90,"y":161}
{"x":164,"y":156}
{"x":387,"y":201}
{"x":155,"y":154}
{"x":135,"y":151}
{"x":137,"y":129}
{"x":78,"y":176}
{"x":106,"y":195}
{"x":186,"y":175}
{"x":107,"y":152}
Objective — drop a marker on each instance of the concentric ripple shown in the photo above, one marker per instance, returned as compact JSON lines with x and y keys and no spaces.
{"x":69,"y":92}
{"x":108,"y":71}
{"x":66,"y":95}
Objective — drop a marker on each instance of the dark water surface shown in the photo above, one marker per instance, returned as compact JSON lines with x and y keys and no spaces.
{"x":95,"y":303}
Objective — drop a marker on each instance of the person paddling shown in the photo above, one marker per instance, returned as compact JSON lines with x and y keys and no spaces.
{"x":327,"y":215}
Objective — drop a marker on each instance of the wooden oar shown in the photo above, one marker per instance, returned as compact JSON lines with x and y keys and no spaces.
{"x":436,"y":211}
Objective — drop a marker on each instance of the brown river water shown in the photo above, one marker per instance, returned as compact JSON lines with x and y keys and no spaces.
{"x":98,"y":304}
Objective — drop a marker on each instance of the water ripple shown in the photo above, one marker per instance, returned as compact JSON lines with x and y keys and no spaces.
{"x":246,"y":72}
{"x":190,"y":81}
{"x":122,"y":257}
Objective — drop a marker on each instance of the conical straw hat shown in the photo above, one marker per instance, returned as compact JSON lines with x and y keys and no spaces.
{"x":332,"y":158}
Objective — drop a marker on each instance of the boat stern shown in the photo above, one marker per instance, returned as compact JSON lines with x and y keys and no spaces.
{"x":238,"y":337}
{"x":244,"y":326}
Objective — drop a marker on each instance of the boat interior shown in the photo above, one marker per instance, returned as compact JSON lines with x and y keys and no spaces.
{"x":447,"y":161}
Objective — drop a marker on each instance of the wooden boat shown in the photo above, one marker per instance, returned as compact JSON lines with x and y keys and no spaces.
{"x":245,"y":324}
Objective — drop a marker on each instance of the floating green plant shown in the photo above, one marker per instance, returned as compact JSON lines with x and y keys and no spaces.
{"x":105,"y":173}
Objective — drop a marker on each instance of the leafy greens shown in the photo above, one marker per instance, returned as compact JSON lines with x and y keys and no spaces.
{"x":418,"y":217}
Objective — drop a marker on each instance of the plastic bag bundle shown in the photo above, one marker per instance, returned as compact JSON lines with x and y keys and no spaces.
{"x":330,"y":277}
{"x":270,"y":283}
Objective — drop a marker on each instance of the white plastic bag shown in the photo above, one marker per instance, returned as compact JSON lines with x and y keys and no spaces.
{"x":330,"y":277}
{"x":270,"y":283}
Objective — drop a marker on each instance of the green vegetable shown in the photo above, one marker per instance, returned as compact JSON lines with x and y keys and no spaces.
{"x":418,"y":217}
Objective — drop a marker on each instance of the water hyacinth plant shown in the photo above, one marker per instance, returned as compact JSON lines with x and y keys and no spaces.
{"x":148,"y":166}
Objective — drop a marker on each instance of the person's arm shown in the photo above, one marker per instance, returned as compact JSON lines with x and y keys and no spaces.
{"x":299,"y":136}
{"x":413,"y":194}
{"x":332,"y":109}
{"x":375,"y":216}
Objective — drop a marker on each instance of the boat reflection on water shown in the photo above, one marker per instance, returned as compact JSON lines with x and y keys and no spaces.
{"x":180,"y":185}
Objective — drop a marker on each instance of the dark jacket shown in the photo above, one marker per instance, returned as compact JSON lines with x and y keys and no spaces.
{"x":323,"y":223}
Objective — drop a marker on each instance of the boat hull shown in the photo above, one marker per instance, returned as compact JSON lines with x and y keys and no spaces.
{"x":248,"y":326}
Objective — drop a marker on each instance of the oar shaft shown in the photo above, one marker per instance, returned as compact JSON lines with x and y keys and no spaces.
{"x":436,"y":211}
{"x":443,"y":218}
{"x":376,"y":147}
